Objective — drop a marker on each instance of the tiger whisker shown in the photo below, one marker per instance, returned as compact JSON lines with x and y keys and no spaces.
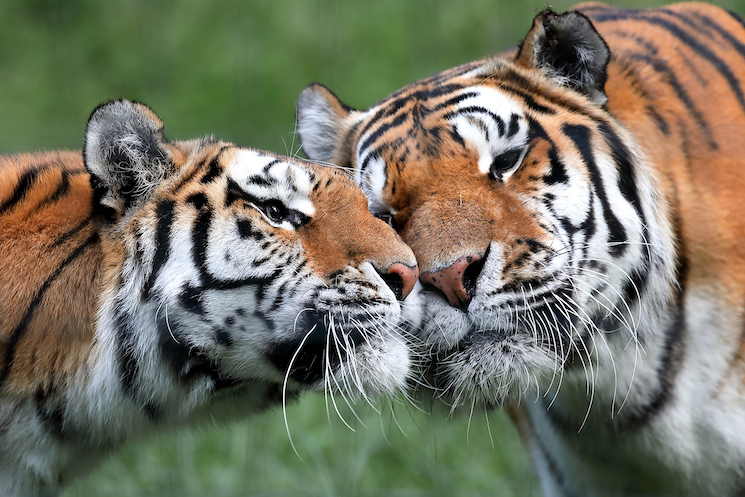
{"x":285,"y":384}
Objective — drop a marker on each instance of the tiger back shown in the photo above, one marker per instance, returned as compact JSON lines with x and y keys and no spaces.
{"x":574,"y":207}
{"x":159,"y":284}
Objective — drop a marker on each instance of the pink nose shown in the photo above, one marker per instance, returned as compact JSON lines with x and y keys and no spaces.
{"x":401,"y":279}
{"x":456,"y":280}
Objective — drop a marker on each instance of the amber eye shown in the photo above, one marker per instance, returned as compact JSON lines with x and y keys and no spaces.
{"x":504,"y":162}
{"x":278,"y":213}
{"x":275,"y":211}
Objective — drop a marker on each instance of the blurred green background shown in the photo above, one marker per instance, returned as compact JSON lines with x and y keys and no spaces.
{"x":234,"y":69}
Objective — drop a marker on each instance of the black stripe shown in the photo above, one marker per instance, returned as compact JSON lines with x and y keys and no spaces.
{"x":184,"y":180}
{"x":190,"y":297}
{"x":510,"y":80}
{"x":261,"y":180}
{"x":246,"y":231}
{"x":279,"y":296}
{"x":670,"y":360}
{"x":16,"y":334}
{"x":625,"y":165}
{"x":699,"y":48}
{"x":729,"y":37}
{"x":558,"y":171}
{"x":257,"y":263}
{"x":704,"y":52}
{"x":692,"y":68}
{"x":634,"y":288}
{"x":26,"y":181}
{"x":394,"y":102}
{"x":672,"y":80}
{"x":234,"y":193}
{"x":636,"y":82}
{"x":588,"y":226}
{"x":269,"y":165}
{"x":107,"y":213}
{"x":451,"y":101}
{"x":200,"y":241}
{"x":63,"y":187}
{"x":477,"y":109}
{"x":514,"y":126}
{"x":213,"y":169}
{"x":129,"y":365}
{"x":627,"y":186}
{"x":580,"y":135}
{"x":372,"y":155}
{"x":528,"y":100}
{"x":164,"y":214}
{"x":198,"y":200}
{"x":384,"y":127}
{"x":71,"y":232}
{"x":174,"y":348}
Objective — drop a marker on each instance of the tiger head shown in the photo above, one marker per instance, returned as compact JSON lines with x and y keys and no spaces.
{"x":522,"y":199}
{"x":253,"y":267}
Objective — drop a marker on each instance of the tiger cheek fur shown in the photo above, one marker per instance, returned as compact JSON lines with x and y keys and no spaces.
{"x":166,"y":284}
{"x":575,"y":209}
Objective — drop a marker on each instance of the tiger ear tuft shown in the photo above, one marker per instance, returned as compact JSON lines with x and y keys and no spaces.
{"x":125,"y":154}
{"x":321,"y":123}
{"x":568,"y":48}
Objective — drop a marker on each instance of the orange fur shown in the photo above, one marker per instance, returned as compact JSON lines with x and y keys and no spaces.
{"x":36,"y":237}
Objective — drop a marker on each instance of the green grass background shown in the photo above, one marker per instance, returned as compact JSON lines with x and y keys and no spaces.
{"x":233,"y":69}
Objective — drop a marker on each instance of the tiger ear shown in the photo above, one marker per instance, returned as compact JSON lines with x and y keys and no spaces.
{"x":569,"y":50}
{"x":125,"y":153}
{"x":322,"y":120}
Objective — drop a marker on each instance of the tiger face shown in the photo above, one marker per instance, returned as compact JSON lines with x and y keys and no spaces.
{"x":520,"y":196}
{"x":243,"y":260}
{"x":161,"y":283}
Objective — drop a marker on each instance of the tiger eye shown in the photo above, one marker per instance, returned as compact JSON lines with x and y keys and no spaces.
{"x":389,"y":219}
{"x":504,"y":162}
{"x":275,"y":211}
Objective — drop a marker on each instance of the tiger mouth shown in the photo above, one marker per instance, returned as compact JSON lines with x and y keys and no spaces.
{"x":316,"y":349}
{"x":548,"y":327}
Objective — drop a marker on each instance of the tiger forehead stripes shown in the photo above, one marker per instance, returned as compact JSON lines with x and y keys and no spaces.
{"x":160,"y":283}
{"x":574,"y":208}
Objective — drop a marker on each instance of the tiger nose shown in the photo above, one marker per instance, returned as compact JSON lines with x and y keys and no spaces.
{"x":458,"y":280}
{"x":401,"y":279}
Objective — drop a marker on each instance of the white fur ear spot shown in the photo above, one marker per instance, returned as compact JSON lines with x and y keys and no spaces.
{"x":320,"y":122}
{"x":124,"y":152}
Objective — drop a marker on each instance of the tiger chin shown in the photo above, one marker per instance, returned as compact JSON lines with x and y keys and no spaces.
{"x":575,"y":207}
{"x":150,"y":284}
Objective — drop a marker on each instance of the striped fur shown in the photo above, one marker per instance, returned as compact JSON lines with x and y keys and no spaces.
{"x":575,"y":207}
{"x":158,"y":284}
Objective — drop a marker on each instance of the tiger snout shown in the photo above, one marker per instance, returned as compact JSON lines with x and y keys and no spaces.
{"x":458,"y":280}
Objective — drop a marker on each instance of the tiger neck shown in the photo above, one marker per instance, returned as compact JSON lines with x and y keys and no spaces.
{"x":628,"y":369}
{"x":49,"y":331}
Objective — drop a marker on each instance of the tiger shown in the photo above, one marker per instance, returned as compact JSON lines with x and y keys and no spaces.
{"x":148,"y":284}
{"x":575,"y":208}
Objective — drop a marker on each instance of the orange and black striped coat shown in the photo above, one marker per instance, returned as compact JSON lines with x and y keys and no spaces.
{"x":575,"y":207}
{"x":157,"y":284}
